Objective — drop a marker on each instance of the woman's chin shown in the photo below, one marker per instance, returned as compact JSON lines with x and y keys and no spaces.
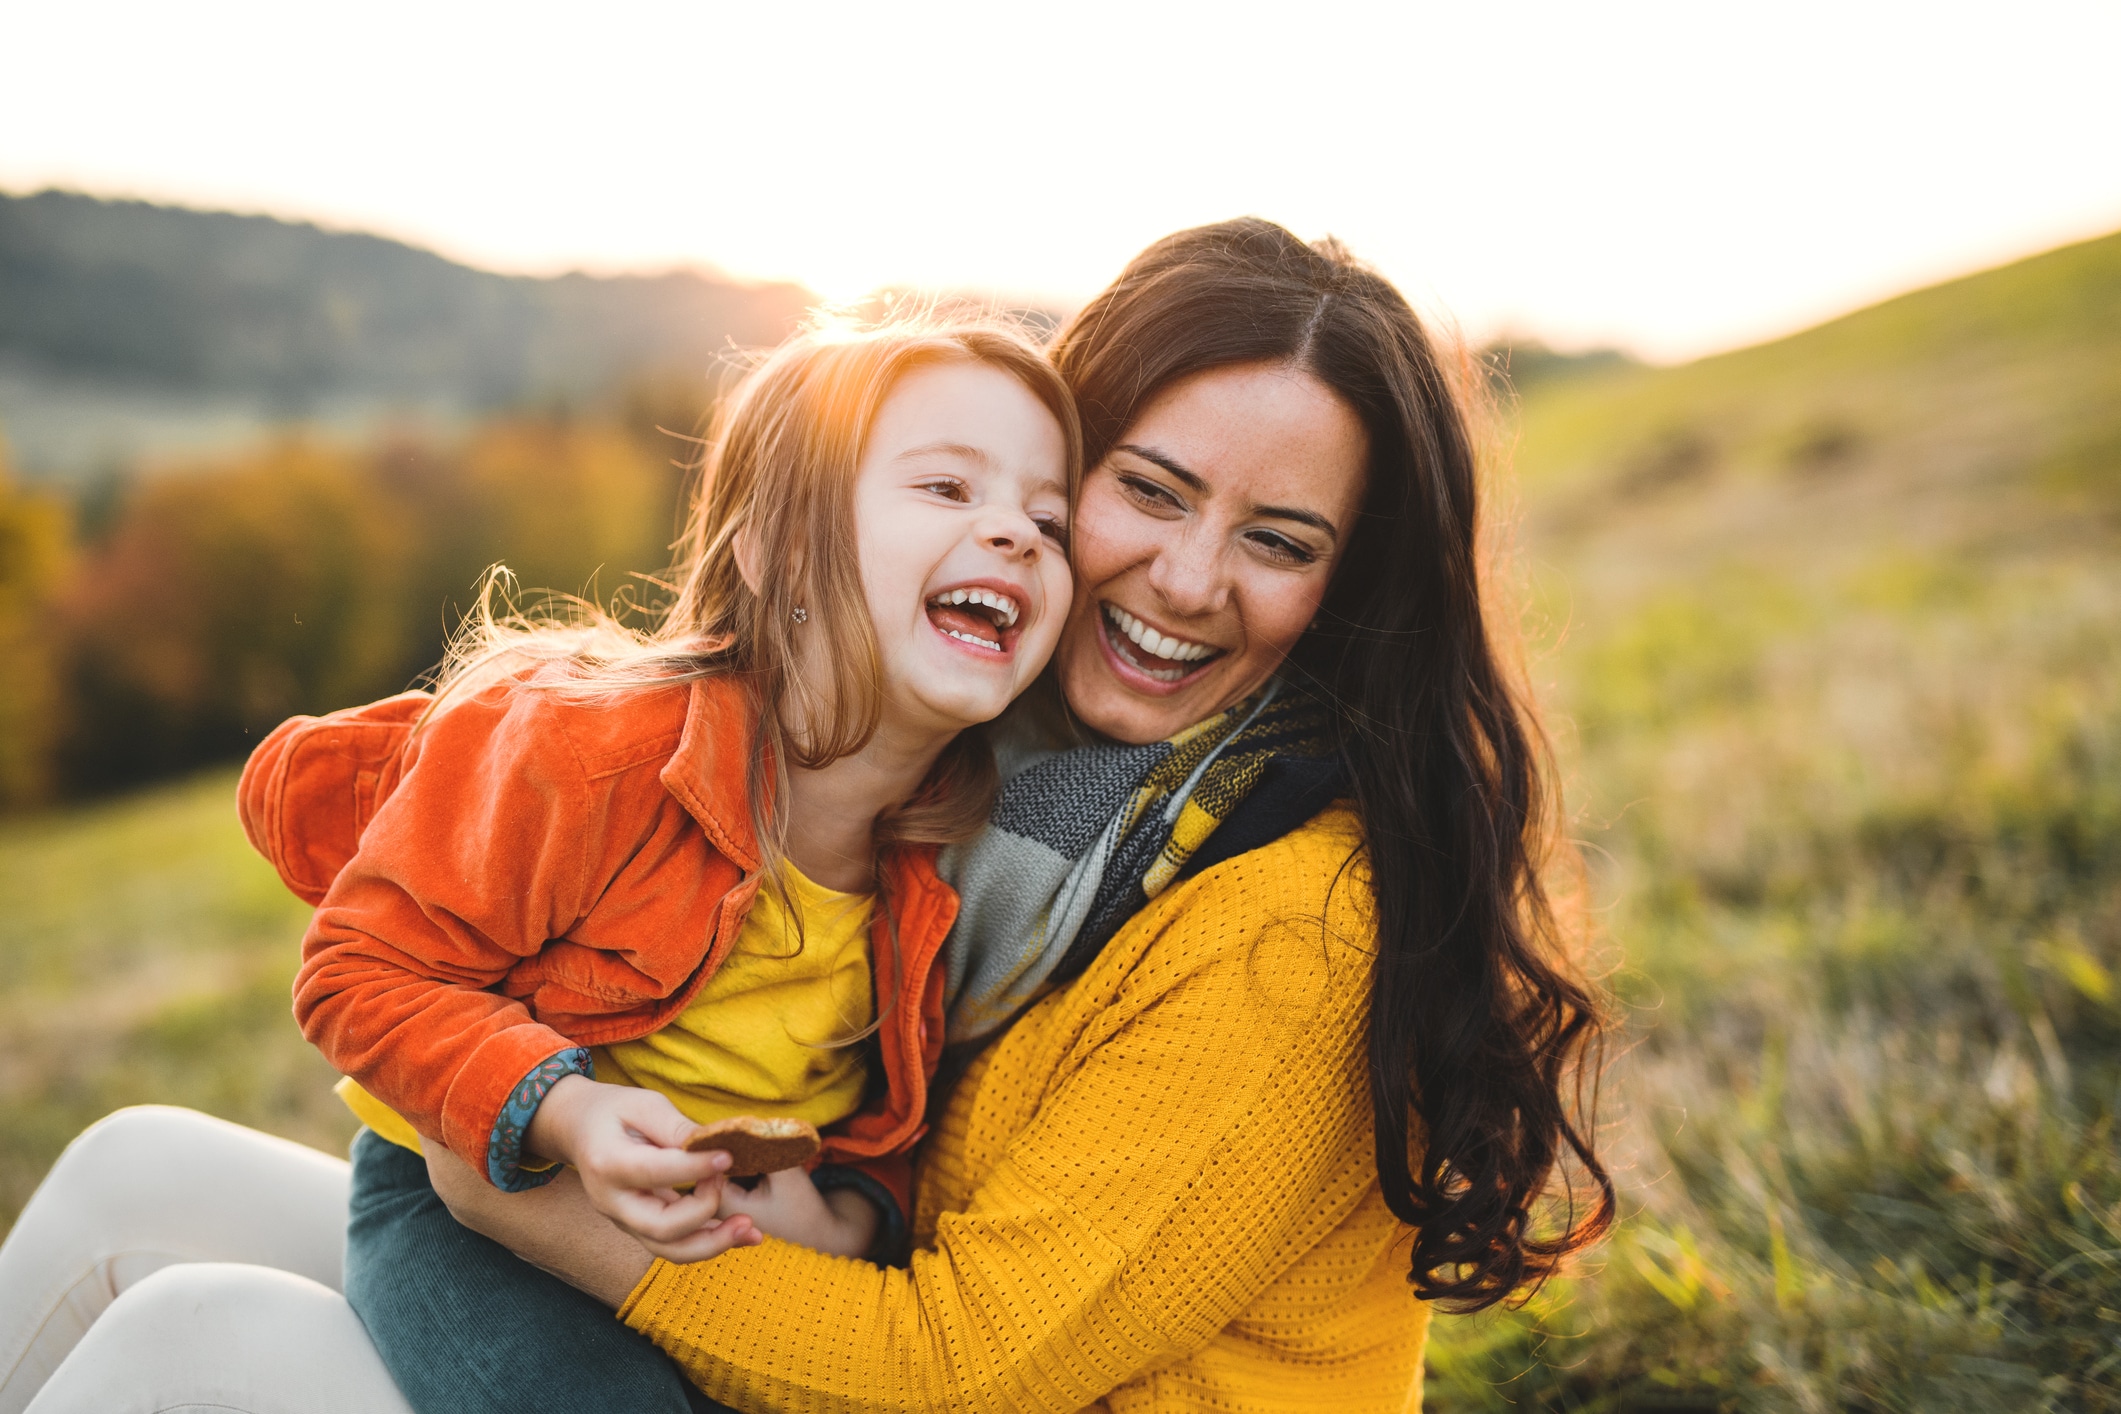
{"x":1136,"y":709}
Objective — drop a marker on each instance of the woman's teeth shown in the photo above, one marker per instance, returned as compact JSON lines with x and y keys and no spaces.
{"x":1156,"y":645}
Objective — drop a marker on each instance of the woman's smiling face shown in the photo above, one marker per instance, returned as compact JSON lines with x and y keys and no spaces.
{"x":1204,"y":543}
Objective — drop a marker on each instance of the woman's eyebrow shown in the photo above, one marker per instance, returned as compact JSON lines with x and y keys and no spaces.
{"x":1168,"y":463}
{"x":1177,"y":469}
{"x":1301,"y":517}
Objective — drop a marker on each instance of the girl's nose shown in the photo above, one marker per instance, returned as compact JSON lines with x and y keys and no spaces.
{"x":1011,"y":534}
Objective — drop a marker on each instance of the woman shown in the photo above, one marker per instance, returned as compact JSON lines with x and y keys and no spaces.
{"x":1292,"y":1071}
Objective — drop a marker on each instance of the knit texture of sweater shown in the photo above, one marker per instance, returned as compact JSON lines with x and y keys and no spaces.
{"x":1156,"y":1191}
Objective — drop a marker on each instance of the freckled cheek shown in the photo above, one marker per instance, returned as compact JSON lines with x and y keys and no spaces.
{"x":1279,"y":614}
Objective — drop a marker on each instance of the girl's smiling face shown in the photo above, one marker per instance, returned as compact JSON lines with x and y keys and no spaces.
{"x":1204,"y":543}
{"x":961,"y":515}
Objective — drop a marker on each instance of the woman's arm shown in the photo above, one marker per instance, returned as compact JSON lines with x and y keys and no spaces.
{"x":557,"y":1228}
{"x":1191,"y":1140}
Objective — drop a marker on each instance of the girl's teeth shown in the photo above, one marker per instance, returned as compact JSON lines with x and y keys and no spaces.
{"x":968,"y":638}
{"x":1002,"y":604}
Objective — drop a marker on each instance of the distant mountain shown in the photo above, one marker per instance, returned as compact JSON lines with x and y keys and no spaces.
{"x":125,"y":325}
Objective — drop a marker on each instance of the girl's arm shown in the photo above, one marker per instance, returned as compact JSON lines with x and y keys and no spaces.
{"x":476,"y":880}
{"x":470,"y":866}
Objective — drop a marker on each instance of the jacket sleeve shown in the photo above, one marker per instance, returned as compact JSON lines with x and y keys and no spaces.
{"x":1156,"y":1192}
{"x":472,"y":864}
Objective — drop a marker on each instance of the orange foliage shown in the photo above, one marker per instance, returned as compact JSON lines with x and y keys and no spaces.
{"x":33,"y":558}
{"x":303,"y":577}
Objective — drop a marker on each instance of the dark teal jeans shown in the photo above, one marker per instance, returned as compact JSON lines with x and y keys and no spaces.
{"x":468,"y":1327}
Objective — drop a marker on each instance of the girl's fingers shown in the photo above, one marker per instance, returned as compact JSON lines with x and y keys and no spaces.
{"x":710,"y":1241}
{"x":647,"y":1168}
{"x":736,"y":1199}
{"x":656,"y":1120}
{"x":652,"y":1219}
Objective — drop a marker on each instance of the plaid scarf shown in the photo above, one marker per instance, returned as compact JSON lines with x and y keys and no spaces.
{"x":1082,"y":838}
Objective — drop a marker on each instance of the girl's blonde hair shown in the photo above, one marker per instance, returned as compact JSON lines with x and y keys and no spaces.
{"x":778,"y":466}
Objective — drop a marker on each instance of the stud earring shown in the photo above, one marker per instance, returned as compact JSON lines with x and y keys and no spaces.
{"x":801,"y":616}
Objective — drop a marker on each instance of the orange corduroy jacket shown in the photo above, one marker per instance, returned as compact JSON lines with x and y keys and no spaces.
{"x":525,"y":872}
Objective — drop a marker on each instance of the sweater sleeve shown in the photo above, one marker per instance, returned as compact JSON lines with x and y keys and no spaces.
{"x":471,"y":866}
{"x":1151,"y":1198}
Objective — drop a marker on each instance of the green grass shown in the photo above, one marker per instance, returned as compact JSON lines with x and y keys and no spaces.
{"x":1833,"y":646}
{"x":146,"y":955}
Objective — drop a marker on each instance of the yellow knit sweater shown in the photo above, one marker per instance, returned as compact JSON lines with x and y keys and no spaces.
{"x":1155,"y":1192}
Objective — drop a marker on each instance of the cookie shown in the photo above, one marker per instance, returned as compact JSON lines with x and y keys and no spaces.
{"x":757,"y":1146}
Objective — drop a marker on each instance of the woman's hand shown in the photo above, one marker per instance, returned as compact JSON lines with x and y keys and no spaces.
{"x":788,"y":1205}
{"x":628,"y":1145}
{"x":555,"y":1228}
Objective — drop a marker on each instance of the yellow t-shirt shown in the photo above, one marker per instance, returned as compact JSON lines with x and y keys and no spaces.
{"x":768,"y":1035}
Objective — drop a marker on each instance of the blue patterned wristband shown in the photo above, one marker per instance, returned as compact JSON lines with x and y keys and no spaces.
{"x":504,"y":1147}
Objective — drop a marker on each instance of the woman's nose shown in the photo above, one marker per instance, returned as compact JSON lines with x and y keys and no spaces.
{"x":1188,"y":573}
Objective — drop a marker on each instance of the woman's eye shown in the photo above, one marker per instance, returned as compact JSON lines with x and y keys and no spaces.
{"x":1282,"y":548}
{"x":1149,"y":493}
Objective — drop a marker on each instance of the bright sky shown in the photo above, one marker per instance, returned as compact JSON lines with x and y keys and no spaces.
{"x":1673,"y":177}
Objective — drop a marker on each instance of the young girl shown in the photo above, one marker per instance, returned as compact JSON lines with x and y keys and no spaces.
{"x":603,"y":887}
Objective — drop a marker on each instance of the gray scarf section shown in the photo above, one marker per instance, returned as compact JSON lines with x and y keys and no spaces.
{"x":1061,"y":863}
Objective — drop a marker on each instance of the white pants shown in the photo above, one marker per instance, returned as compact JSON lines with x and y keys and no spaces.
{"x":173,"y":1262}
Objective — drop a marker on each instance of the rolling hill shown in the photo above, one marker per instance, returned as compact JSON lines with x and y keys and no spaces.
{"x":1981,"y":416}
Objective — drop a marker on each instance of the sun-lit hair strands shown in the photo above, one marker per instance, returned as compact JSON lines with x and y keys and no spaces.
{"x":776,"y":479}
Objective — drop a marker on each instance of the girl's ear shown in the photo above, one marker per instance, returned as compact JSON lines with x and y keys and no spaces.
{"x":745,"y":546}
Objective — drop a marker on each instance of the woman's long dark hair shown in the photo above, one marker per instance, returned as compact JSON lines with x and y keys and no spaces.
{"x":1480,"y":1028}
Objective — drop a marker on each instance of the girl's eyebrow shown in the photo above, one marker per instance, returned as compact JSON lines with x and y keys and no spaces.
{"x":943,"y":449}
{"x":1199,"y":487}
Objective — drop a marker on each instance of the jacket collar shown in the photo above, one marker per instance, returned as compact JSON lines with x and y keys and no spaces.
{"x":707,"y":774}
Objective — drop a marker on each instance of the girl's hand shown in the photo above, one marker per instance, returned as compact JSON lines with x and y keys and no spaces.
{"x":628,"y":1146}
{"x":788,"y":1205}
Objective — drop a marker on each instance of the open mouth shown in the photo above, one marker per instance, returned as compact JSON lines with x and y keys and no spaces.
{"x":1153,"y":654}
{"x":983,"y":618}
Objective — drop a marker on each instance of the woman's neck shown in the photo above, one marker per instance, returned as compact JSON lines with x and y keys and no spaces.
{"x":831,"y":821}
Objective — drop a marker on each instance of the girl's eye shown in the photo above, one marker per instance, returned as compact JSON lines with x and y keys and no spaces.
{"x":946,"y":488}
{"x":1149,"y":493}
{"x":1282,"y":548}
{"x":1056,"y":531}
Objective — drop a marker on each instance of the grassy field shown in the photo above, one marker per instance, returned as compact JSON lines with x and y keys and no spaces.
{"x":1833,"y":635}
{"x":1829,"y":631}
{"x":146,"y":955}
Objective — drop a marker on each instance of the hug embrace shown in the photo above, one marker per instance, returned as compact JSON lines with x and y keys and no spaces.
{"x":1051,"y":915}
